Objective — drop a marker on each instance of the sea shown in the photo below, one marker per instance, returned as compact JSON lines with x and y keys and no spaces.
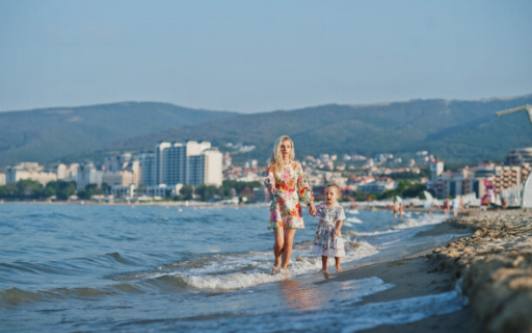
{"x":141,"y":268}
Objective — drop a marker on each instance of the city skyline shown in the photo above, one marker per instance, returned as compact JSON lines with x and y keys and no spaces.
{"x":250,"y":57}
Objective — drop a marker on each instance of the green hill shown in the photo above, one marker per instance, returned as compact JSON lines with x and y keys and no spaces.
{"x":46,"y":135}
{"x":458,"y":131}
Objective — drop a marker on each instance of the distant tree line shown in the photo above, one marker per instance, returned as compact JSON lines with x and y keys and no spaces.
{"x":229,"y":189}
{"x":404,"y":189}
{"x":62,"y":190}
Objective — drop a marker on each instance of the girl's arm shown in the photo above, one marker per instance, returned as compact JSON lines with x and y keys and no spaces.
{"x":339,"y":222}
{"x":338,"y":229}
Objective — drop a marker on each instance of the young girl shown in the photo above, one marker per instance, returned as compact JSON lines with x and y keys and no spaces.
{"x":328,"y":240}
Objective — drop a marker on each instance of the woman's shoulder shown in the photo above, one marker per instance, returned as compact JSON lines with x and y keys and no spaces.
{"x":296,"y":165}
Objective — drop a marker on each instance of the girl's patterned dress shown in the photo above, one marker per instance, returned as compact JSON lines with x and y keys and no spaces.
{"x":324,"y":241}
{"x":289,"y":189}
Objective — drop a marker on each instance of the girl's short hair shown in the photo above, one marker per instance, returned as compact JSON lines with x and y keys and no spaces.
{"x":336,"y":188}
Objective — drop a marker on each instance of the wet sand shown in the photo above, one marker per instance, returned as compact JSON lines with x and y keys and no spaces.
{"x":411,"y":277}
{"x":493,"y":266}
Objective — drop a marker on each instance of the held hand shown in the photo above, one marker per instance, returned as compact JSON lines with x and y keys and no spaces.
{"x":312,"y":209}
{"x":338,"y":232}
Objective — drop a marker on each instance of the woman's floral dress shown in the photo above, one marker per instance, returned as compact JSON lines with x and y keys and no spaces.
{"x":326,"y":242}
{"x":288,"y":189}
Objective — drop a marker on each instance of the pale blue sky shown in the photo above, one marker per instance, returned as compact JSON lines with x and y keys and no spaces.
{"x":253,"y":56}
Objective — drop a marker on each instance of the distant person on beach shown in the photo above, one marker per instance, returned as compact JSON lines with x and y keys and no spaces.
{"x":456,"y":205}
{"x":288,"y":188}
{"x":328,"y":240}
{"x":446,"y":206}
{"x":398,"y":208}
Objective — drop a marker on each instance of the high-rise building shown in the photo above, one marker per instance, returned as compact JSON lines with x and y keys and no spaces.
{"x":436,"y":169}
{"x":519,"y":156}
{"x":87,"y":175}
{"x":195,"y":170}
{"x":191,"y":163}
{"x":213,"y":168}
{"x":147,"y":170}
{"x":175,"y":160}
{"x":160,"y":158}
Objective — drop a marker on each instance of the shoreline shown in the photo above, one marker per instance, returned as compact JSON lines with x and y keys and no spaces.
{"x":492,"y":265}
{"x":414,"y":276}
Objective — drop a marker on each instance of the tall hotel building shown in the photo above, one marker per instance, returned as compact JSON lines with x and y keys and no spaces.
{"x":190,"y":163}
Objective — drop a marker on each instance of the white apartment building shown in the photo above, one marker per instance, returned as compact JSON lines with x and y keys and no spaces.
{"x":191,"y":163}
{"x":213,"y":169}
{"x":29,"y":170}
{"x":88,"y":174}
{"x":67,"y":172}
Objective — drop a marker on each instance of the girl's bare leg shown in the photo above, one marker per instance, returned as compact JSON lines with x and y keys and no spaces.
{"x":288,"y":243}
{"x":337,"y":264}
{"x":324,"y":263}
{"x":278,"y":246}
{"x":324,"y":260}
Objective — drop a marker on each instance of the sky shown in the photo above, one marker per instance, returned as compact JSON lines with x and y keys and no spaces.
{"x":256,"y":56}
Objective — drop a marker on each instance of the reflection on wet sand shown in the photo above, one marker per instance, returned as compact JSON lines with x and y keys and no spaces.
{"x":301,"y":297}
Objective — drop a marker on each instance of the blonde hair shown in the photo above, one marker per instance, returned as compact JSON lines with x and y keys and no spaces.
{"x":276,"y":153}
{"x":336,"y":188}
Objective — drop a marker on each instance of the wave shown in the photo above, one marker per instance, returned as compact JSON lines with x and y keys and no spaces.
{"x":16,"y":296}
{"x":69,"y":266}
{"x":353,"y":220}
{"x":222,"y":272}
{"x":260,"y":273}
{"x":408,"y":223}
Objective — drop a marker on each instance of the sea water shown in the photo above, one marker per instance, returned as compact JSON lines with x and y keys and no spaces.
{"x":95,"y":268}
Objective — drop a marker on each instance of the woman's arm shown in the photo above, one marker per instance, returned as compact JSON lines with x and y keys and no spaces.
{"x":269,"y":181}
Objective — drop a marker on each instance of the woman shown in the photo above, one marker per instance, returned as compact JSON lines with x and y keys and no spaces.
{"x":288,"y":188}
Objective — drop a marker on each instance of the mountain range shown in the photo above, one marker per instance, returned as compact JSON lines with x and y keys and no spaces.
{"x":456,"y":131}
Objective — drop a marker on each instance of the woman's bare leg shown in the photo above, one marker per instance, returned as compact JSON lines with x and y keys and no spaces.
{"x":288,"y":243}
{"x":278,"y":245}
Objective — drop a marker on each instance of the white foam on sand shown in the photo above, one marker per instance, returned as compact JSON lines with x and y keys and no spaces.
{"x":408,"y":223}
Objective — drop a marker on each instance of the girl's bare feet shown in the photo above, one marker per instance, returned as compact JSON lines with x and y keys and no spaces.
{"x":276,"y":270}
{"x":326,"y":275}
